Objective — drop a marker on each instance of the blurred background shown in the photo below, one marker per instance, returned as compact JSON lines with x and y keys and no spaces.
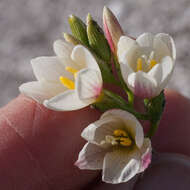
{"x":29,"y":27}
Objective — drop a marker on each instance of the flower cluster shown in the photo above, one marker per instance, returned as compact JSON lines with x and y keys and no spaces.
{"x":74,"y":78}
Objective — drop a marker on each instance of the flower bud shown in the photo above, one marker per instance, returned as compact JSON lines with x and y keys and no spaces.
{"x":112,"y":28}
{"x":97,"y":40}
{"x":78,"y":29}
{"x":71,"y":39}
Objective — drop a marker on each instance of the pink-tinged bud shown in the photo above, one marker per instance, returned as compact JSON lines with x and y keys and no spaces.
{"x":112,"y":28}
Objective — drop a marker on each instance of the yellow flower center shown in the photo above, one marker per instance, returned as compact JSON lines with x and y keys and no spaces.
{"x":139,"y":64}
{"x":145,"y":63}
{"x":67,"y":82}
{"x":72,"y":71}
{"x":152,"y":63}
{"x":122,"y":137}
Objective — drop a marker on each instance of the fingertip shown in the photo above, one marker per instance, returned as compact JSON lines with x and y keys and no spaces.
{"x":173,"y":132}
{"x":47,"y":140}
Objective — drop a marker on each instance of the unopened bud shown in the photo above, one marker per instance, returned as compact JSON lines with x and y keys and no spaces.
{"x":112,"y":28}
{"x":97,"y":40}
{"x":71,"y":39}
{"x":78,"y":29}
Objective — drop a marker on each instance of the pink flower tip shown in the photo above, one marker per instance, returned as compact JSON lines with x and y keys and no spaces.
{"x":112,"y":28}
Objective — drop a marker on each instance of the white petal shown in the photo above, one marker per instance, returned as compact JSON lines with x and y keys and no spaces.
{"x":40,"y":91}
{"x":91,"y":157}
{"x":84,"y":58}
{"x":124,"y":44}
{"x":53,"y":88}
{"x":146,"y":154}
{"x":168,"y":40}
{"x":142,"y":85}
{"x":130,"y":123}
{"x":156,"y":73}
{"x":97,"y":131}
{"x":145,"y":40}
{"x":124,"y":66}
{"x":130,"y":57}
{"x":48,"y":68}
{"x":125,"y":71}
{"x":62,"y":49}
{"x":88,"y":84}
{"x":120,"y":166}
{"x":66,"y":101}
{"x":160,"y":48}
{"x":167,"y":70}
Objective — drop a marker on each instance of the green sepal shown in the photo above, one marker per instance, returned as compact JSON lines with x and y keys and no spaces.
{"x":97,"y":40}
{"x":78,"y":28}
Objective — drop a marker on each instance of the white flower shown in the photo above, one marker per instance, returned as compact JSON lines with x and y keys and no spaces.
{"x":116,"y":144}
{"x":147,"y":62}
{"x":69,"y":81}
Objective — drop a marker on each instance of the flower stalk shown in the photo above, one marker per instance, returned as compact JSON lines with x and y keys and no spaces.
{"x":122,"y":82}
{"x":110,"y":100}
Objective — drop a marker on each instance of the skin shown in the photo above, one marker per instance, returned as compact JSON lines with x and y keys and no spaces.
{"x":38,"y":148}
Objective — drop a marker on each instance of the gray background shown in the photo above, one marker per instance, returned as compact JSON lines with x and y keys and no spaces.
{"x":29,"y":27}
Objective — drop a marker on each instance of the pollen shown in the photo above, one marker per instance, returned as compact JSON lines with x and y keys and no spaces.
{"x":152,"y":63}
{"x":122,"y":138}
{"x":139,"y":64}
{"x":67,"y":82}
{"x":119,"y":133}
{"x":125,"y":141}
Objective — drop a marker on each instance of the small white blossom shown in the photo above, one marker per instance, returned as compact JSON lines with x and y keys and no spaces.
{"x":68,"y":81}
{"x":116,"y":144}
{"x":146,"y":63}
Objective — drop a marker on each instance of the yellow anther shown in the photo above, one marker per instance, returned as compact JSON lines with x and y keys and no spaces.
{"x":139,"y":64}
{"x":152,"y":63}
{"x":119,"y":133}
{"x":67,"y":82}
{"x":125,"y":141}
{"x":72,"y":71}
{"x":122,"y":137}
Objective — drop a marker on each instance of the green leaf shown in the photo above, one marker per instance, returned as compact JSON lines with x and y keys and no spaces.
{"x":78,"y":28}
{"x":155,"y":107}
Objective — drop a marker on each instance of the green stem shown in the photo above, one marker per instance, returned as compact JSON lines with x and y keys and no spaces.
{"x":110,"y":100}
{"x":123,"y":84}
{"x":153,"y":129}
{"x":137,"y":114}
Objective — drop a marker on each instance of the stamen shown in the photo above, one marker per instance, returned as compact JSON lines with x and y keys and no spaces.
{"x":125,"y":141}
{"x":152,"y":63}
{"x":72,"y":70}
{"x":151,"y":55}
{"x":145,"y":58}
{"x":119,"y":133}
{"x":139,"y":64}
{"x":67,"y":82}
{"x":122,"y":137}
